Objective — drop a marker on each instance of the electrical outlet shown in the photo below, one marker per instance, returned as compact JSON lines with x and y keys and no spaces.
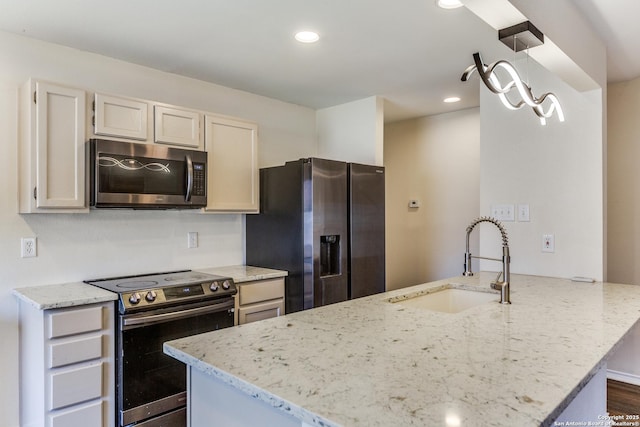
{"x":548,"y":243}
{"x":192,"y":239}
{"x":28,"y":247}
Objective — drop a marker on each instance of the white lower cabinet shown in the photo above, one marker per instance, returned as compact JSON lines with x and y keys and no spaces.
{"x":259,"y":299}
{"x":66,"y":366}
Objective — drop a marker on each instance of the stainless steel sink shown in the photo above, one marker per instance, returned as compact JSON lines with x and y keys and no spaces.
{"x":447,"y":300}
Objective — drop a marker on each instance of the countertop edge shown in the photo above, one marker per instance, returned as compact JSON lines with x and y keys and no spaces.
{"x":248,"y":388}
{"x":64,"y":295}
{"x":245,"y":273}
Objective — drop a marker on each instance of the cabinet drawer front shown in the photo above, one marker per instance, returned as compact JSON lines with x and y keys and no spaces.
{"x":262,"y":290}
{"x":75,"y":351}
{"x":265,"y":310}
{"x":75,"y":386}
{"x":75,"y":321}
{"x":85,"y":416}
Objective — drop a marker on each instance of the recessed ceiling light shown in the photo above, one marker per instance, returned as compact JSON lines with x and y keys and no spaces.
{"x":307,"y":36}
{"x":451,"y":99}
{"x":449,"y":4}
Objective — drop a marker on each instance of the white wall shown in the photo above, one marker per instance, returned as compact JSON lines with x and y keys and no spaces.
{"x":352,"y":132}
{"x":557,"y":169}
{"x":435,"y":160}
{"x":73,"y":247}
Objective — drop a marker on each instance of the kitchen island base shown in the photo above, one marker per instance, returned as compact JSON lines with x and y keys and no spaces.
{"x":588,"y":406}
{"x":212,"y":402}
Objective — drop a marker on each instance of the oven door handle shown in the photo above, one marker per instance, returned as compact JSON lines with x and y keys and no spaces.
{"x":138,"y":321}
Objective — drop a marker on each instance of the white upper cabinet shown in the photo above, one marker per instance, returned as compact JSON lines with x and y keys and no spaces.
{"x":176,"y":126}
{"x":115,"y":116}
{"x":52,"y":149}
{"x":232,"y":165}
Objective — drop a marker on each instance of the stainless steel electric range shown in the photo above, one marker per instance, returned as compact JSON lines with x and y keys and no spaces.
{"x":152,"y":309}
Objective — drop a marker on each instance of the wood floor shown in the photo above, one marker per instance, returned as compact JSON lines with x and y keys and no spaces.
{"x":623,"y":398}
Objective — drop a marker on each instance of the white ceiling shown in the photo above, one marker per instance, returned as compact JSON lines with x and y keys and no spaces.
{"x":410,"y":52}
{"x":617,"y":23}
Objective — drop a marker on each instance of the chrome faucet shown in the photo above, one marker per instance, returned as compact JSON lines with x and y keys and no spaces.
{"x":502,"y":286}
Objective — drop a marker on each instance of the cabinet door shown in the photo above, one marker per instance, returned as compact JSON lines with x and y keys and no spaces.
{"x":59,"y":147}
{"x":177,"y":127}
{"x":261,"y":311}
{"x":120,"y":117}
{"x":232,"y":175}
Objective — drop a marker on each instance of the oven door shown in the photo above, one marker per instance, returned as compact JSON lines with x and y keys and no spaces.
{"x":150,"y":383}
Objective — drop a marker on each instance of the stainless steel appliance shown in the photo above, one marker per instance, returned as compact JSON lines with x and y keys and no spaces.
{"x":152,"y":309}
{"x":146,"y":176}
{"x":323,"y":222}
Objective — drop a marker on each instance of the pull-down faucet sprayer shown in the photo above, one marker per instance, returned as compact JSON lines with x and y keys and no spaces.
{"x":502,"y":286}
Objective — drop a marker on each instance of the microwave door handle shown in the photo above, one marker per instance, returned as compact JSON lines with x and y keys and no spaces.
{"x":187,"y":196}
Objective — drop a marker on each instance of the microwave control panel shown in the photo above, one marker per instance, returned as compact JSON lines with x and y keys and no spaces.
{"x":199,"y":179}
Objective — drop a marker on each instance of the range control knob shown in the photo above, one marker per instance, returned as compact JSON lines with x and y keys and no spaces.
{"x":226,"y":285}
{"x":134,"y":298}
{"x":151,"y":296}
{"x":214,"y":286}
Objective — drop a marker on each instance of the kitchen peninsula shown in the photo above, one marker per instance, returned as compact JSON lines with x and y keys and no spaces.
{"x":371,"y":362}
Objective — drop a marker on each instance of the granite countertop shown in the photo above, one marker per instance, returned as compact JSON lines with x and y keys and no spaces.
{"x":78,"y":293}
{"x":245,"y":273}
{"x":63,"y":295}
{"x":369,"y":362}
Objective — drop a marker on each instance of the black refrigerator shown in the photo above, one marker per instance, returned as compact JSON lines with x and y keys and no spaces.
{"x":323,"y":222}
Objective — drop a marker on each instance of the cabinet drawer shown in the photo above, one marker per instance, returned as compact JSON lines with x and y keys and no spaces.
{"x":74,"y":321}
{"x":84,"y":416}
{"x":262,"y":290}
{"x":75,"y":386}
{"x":77,"y":350}
{"x":265,"y":310}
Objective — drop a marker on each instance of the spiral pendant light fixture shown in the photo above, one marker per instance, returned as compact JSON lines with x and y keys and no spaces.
{"x":518,"y":37}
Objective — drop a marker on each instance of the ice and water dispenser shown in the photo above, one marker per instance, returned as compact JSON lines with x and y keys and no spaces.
{"x":330,"y":255}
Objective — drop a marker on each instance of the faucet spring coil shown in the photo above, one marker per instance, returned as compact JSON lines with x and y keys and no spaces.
{"x":503,"y":232}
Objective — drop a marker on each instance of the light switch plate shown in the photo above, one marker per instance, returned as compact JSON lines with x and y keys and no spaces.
{"x":503,"y":212}
{"x":192,"y":239}
{"x":523,"y":213}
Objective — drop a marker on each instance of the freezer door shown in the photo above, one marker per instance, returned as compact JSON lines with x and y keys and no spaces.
{"x":326,"y":208}
{"x":366,"y":230}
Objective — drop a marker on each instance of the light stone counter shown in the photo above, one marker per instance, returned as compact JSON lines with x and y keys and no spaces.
{"x":63,"y":295}
{"x":368,"y":362}
{"x":245,"y":273}
{"x":78,"y":293}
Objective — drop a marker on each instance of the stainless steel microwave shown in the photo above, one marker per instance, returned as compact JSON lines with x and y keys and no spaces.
{"x":146,"y":176}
